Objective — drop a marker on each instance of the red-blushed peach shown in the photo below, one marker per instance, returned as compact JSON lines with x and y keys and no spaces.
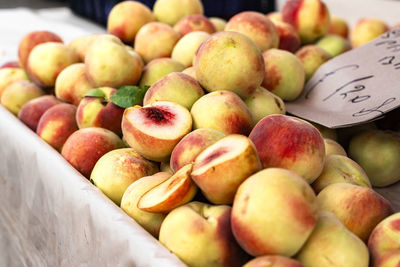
{"x":339,"y":27}
{"x":340,"y":169}
{"x":366,"y":30}
{"x":219,"y":23}
{"x":10,"y":75}
{"x":191,"y":71}
{"x":154,"y":130}
{"x":388,"y":259}
{"x":190,"y":146}
{"x":117,"y":169}
{"x":291,"y":143}
{"x":273,"y":261}
{"x":155,"y":40}
{"x":206,"y":226}
{"x":171,"y":11}
{"x":158,"y":68}
{"x":385,"y":238}
{"x":100,"y":112}
{"x":284,"y":74}
{"x":359,"y":208}
{"x":194,"y":23}
{"x":31,"y":112}
{"x":333,"y":147}
{"x":176,"y":191}
{"x":243,"y":69}
{"x":310,"y":18}
{"x":175,"y":87}
{"x":274,"y":212}
{"x":31,"y":40}
{"x":72,"y":84}
{"x":220,"y":168}
{"x":275,"y":16}
{"x":334,"y":44}
{"x":378,"y":153}
{"x":185,"y":49}
{"x":289,"y":39}
{"x":18,"y":93}
{"x":126,"y":18}
{"x":10,"y":64}
{"x":332,"y":244}
{"x":223,"y":111}
{"x":110,"y":63}
{"x":257,"y":27}
{"x":47,"y":60}
{"x":312,"y":57}
{"x":57,"y":124}
{"x":86,"y":146}
{"x":150,"y":221}
{"x":262,"y":103}
{"x":81,"y":44}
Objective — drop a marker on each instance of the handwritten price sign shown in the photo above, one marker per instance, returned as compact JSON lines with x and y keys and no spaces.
{"x":355,"y":87}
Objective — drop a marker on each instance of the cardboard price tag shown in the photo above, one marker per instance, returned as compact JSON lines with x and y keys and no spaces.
{"x":355,"y":87}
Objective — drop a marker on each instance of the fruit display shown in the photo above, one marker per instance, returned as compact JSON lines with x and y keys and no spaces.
{"x":180,"y":120}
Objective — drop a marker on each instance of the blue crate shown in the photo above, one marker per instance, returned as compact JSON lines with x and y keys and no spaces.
{"x":98,"y":10}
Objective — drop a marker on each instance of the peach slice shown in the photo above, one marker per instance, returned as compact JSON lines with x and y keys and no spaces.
{"x":154,"y":130}
{"x":179,"y":189}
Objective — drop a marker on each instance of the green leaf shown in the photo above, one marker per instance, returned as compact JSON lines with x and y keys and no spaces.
{"x":95,"y":93}
{"x":128,"y":96}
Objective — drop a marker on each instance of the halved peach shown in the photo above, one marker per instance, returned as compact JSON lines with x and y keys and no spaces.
{"x":179,"y":189}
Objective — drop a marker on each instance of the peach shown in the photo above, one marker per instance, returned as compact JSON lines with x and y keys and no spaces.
{"x":359,"y":208}
{"x":284,"y":74}
{"x":385,"y":237}
{"x":187,"y":46}
{"x":117,"y":169}
{"x":86,"y":146}
{"x":194,"y":23}
{"x":175,"y":87}
{"x":154,"y":130}
{"x":274,"y":212}
{"x":257,"y":27}
{"x":206,"y":226}
{"x":72,"y":84}
{"x":333,"y":147}
{"x":33,"y":110}
{"x":366,"y":30}
{"x":150,"y":221}
{"x":110,"y":63}
{"x":158,"y":68}
{"x":388,"y":259}
{"x":220,"y":168}
{"x":310,"y":18}
{"x":191,"y":71}
{"x":273,"y":261}
{"x":10,"y":64}
{"x":18,"y":93}
{"x":243,"y":69}
{"x":126,"y":18}
{"x":190,"y":146}
{"x":331,"y":244}
{"x":289,"y":39}
{"x":334,"y":44}
{"x":291,"y":143}
{"x":340,"y":169}
{"x":378,"y":153}
{"x":339,"y":27}
{"x":176,"y":191}
{"x":155,"y":40}
{"x":57,"y":124}
{"x":10,"y":75}
{"x":344,"y":135}
{"x":262,"y":103}
{"x":31,"y":40}
{"x":47,"y":60}
{"x":223,"y":111}
{"x":312,"y":57}
{"x":81,"y":44}
{"x":275,"y":16}
{"x":100,"y":112}
{"x":219,"y":23}
{"x":171,"y":11}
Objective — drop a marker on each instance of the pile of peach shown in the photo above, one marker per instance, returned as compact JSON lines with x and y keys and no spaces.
{"x":206,"y":160}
